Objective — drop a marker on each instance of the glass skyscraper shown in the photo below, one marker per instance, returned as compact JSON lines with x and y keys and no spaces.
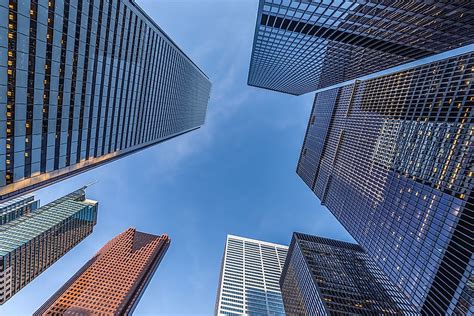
{"x":302,"y":46}
{"x":85,"y":82}
{"x":249,"y":280}
{"x":392,"y":158}
{"x":330,"y":277}
{"x":113,"y":281}
{"x":37,"y":238}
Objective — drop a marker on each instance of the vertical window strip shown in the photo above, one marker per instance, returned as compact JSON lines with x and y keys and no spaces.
{"x":133,"y":65}
{"x":168,"y":91}
{"x":161,"y":66}
{"x":75,"y":57}
{"x":142,"y":106}
{"x":153,"y":103}
{"x":139,"y":86}
{"x":31,"y":87}
{"x":100,"y":122}
{"x":47,"y":84}
{"x":155,"y":88}
{"x":151,"y":88}
{"x":132,"y":103}
{"x":153,"y":99}
{"x":11,"y":74}
{"x":179,"y":80}
{"x":85,"y":80}
{"x":111,"y":79}
{"x":172,"y":82}
{"x":163,"y":94}
{"x":62,"y":70}
{"x":159,"y":104}
{"x":117,"y":73}
{"x":94,"y":79}
{"x":125,"y":64}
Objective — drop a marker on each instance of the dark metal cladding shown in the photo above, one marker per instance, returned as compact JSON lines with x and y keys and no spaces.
{"x":302,"y":46}
{"x":329,"y":277}
{"x":392,"y":158}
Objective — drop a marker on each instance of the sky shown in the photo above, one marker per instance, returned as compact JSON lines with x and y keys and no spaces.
{"x":235,"y":175}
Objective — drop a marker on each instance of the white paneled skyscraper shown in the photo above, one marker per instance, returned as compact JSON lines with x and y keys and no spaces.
{"x":85,"y":82}
{"x":250,"y":275}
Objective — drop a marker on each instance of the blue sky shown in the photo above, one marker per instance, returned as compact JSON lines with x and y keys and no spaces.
{"x":236,"y":175}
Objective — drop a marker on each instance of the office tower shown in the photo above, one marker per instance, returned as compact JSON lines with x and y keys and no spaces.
{"x":113,"y":281}
{"x":33,"y":241}
{"x":249,"y":280}
{"x":86,"y":82}
{"x":16,"y":208}
{"x":392,"y":158}
{"x":330,"y":277}
{"x":302,"y":46}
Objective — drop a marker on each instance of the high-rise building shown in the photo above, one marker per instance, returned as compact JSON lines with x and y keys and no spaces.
{"x":86,"y":82}
{"x":330,"y":277}
{"x":17,"y":207}
{"x":392,"y":158}
{"x":302,"y":46}
{"x":113,"y":281}
{"x":36,"y":239}
{"x":249,"y":280}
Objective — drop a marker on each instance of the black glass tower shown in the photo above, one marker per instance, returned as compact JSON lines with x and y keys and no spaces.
{"x":393,"y":159}
{"x":329,"y":277}
{"x":302,"y":46}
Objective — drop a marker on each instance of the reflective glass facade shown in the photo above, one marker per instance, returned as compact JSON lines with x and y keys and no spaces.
{"x":34,"y":241}
{"x":112,"y":282}
{"x":302,"y":46}
{"x":392,"y":158}
{"x":329,"y":277}
{"x":16,"y":208}
{"x":249,"y":281}
{"x":85,"y":82}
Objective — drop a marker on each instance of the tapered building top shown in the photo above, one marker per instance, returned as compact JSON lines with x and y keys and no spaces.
{"x":113,"y":281}
{"x":84,"y":83}
{"x":302,"y":46}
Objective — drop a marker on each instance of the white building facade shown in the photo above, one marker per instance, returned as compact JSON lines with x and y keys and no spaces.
{"x":249,"y":281}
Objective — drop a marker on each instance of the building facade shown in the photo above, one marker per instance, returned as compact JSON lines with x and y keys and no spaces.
{"x":16,"y":208}
{"x":32,"y":242}
{"x":392,"y":158}
{"x":113,"y":281}
{"x":302,"y":46}
{"x":249,"y":280}
{"x":85,"y":82}
{"x":330,"y":277}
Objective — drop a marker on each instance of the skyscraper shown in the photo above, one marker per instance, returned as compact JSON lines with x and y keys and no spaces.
{"x":113,"y":281}
{"x":302,"y":46}
{"x":330,"y":277}
{"x":33,"y":241}
{"x":392,"y":158}
{"x":249,"y":281}
{"x":86,"y":82}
